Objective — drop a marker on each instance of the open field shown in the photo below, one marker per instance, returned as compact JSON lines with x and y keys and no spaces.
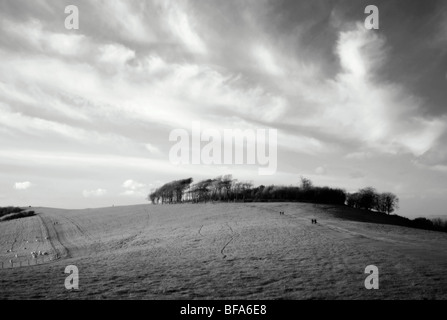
{"x":220,"y":251}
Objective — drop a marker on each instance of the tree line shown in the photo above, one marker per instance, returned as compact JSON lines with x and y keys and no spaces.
{"x":225,"y":188}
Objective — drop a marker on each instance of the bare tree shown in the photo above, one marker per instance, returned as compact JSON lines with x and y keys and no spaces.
{"x":227,"y":184}
{"x":387,"y":202}
{"x":306,"y":184}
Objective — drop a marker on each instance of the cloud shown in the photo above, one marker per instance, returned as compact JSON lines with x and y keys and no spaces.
{"x":134,"y":188}
{"x":181,"y":25}
{"x":151,"y":148}
{"x":267,"y":61}
{"x":356,"y":106}
{"x":360,"y":52}
{"x":111,"y":163}
{"x":360,"y":155}
{"x":133,"y":185}
{"x":22,"y":185}
{"x":127,"y":20}
{"x":301,"y":143}
{"x":31,"y":33}
{"x":436,"y":157}
{"x":94,"y":193}
{"x":115,"y":54}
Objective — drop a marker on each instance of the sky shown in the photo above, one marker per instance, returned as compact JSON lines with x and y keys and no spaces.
{"x":86,"y":114}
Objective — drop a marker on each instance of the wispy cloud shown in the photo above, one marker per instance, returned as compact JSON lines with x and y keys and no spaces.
{"x":180,"y":24}
{"x":357,"y":106}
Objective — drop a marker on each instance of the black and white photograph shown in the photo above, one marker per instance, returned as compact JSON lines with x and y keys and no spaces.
{"x":223,"y":150}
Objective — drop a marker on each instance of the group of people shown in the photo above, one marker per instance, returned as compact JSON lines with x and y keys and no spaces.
{"x":314,"y":221}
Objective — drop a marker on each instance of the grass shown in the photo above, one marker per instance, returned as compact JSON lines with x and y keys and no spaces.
{"x":223,"y":251}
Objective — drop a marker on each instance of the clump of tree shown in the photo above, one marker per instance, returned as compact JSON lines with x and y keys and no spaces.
{"x":387,"y":203}
{"x":430,"y":224}
{"x":439,"y":224}
{"x":324,"y":195}
{"x":225,"y":188}
{"x":369,"y":199}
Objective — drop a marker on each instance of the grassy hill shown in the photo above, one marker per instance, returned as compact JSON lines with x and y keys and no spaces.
{"x":222,"y":251}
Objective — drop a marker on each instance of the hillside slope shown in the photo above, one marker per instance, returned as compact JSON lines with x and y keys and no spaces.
{"x":221,"y":251}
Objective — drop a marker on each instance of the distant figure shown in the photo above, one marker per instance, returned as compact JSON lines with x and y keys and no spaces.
{"x":314,"y":221}
{"x":281,"y":213}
